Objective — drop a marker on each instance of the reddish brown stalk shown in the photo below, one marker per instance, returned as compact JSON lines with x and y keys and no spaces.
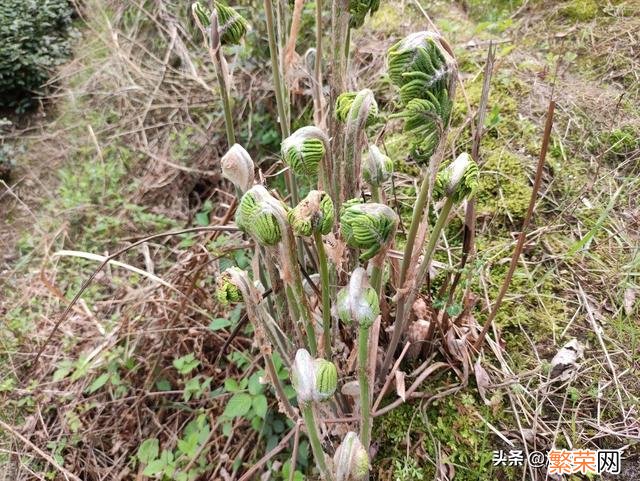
{"x":468,"y":238}
{"x":525,"y":224}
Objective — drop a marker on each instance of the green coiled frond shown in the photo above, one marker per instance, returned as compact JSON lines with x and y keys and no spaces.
{"x":458,"y":180}
{"x":231,"y":25}
{"x":376,"y":167}
{"x":424,"y":71}
{"x":257,"y":218}
{"x":314,"y":213}
{"x":226,"y":290}
{"x":313,"y":379}
{"x":346,"y":101}
{"x":419,"y":52}
{"x":425,"y":119}
{"x":201,"y":14}
{"x":326,"y":379}
{"x":368,"y":227}
{"x":303,"y":150}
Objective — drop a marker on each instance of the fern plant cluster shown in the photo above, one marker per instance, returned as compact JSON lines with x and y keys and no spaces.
{"x":325,"y":280}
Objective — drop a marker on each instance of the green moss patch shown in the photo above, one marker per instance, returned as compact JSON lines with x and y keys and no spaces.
{"x":504,"y":186}
{"x":581,"y":10}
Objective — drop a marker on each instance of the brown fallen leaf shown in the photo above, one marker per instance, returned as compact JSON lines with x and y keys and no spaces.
{"x":483,"y":381}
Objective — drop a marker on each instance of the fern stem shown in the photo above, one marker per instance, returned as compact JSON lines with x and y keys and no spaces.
{"x":314,"y":440}
{"x":326,"y":294}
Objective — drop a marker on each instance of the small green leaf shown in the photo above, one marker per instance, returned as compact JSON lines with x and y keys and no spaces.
{"x":97,"y":383}
{"x":64,"y":368}
{"x":260,"y":405}
{"x":454,"y":309}
{"x":163,"y":385}
{"x":255,"y":386}
{"x":238,"y":405}
{"x":219,"y":323}
{"x":148,"y":450}
{"x":231,"y":385}
{"x":186,"y":364}
{"x":154,"y":467}
{"x":202,"y":218}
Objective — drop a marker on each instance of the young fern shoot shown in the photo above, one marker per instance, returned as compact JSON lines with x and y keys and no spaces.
{"x":358,"y":305}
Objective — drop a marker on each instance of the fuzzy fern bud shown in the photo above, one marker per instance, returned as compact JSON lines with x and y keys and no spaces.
{"x":257,"y":217}
{"x":346,"y":101}
{"x":358,"y":302}
{"x":227,"y":292}
{"x":313,"y":379}
{"x":376,"y":167}
{"x":303,"y":150}
{"x":326,"y":379}
{"x":201,"y":14}
{"x":458,"y":180}
{"x":351,"y":460}
{"x":237,"y":166}
{"x":368,"y":227}
{"x":314,"y":213}
{"x":231,"y":25}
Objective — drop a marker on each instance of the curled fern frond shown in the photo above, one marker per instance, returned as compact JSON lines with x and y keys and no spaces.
{"x":227,"y":292}
{"x":257,"y":218}
{"x":231,"y":25}
{"x":419,"y":52}
{"x":313,"y":379}
{"x":368,"y":227}
{"x":425,"y":119}
{"x":347,"y":100}
{"x":458,"y":180}
{"x":326,"y":379}
{"x":303,"y":150}
{"x":201,"y":14}
{"x":314,"y":213}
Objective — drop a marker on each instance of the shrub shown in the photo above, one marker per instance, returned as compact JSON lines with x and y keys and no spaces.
{"x":34,"y":39}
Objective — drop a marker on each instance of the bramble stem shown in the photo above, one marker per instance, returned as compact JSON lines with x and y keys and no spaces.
{"x":314,"y":440}
{"x":326,"y":294}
